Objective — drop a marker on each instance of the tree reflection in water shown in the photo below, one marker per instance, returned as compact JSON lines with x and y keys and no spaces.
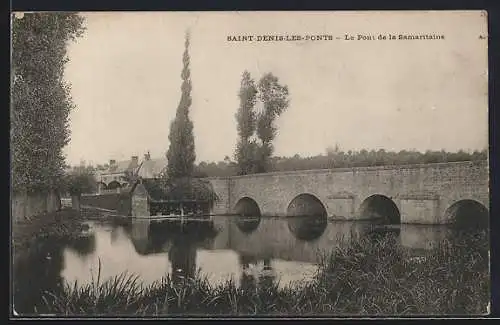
{"x":260,"y":276}
{"x":182,"y":242}
{"x":38,"y":269}
{"x":267,"y":276}
{"x":247,"y":280}
{"x":182,"y":256}
{"x":83,"y":245}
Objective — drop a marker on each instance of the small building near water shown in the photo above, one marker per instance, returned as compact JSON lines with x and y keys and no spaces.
{"x":151,"y":197}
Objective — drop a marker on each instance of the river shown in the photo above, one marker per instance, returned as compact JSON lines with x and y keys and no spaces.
{"x":287,"y":250}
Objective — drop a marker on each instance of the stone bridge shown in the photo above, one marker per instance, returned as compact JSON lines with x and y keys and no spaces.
{"x":419,"y":194}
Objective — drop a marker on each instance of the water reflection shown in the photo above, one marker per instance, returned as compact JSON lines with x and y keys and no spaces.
{"x":182,"y":256}
{"x":256,"y":273}
{"x":38,"y":269}
{"x":277,"y":238}
{"x":307,"y":227}
{"x":255,"y":252}
{"x":423,"y":237}
{"x":83,"y":245}
{"x":247,"y":224}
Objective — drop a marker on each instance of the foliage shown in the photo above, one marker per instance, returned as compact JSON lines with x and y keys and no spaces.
{"x":181,"y":188}
{"x":365,"y":158}
{"x":246,"y":119}
{"x":80,"y":180}
{"x":339,"y":159}
{"x":275,"y":99}
{"x":181,"y":153}
{"x":247,"y":152}
{"x":191,"y":189}
{"x":40,"y":99}
{"x":219,"y":169}
{"x":371,"y":277}
{"x":246,"y":115}
{"x":253,"y":156}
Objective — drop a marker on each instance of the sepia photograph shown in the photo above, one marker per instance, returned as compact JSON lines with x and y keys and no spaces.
{"x":249,"y":164}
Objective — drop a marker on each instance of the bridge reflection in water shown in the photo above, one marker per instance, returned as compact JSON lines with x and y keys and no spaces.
{"x":304,"y":239}
{"x":252,"y":249}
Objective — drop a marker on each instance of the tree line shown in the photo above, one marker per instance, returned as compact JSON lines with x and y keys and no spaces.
{"x":340,"y":159}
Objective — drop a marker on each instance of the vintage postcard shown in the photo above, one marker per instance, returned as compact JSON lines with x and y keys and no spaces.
{"x":250,"y":164}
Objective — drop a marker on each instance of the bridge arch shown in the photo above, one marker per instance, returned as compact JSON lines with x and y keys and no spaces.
{"x":102,"y":186}
{"x":380,"y":207}
{"x":467,"y":213}
{"x":307,"y":217}
{"x":248,"y":215}
{"x":113,"y":185}
{"x":306,"y":204}
{"x":247,"y":206}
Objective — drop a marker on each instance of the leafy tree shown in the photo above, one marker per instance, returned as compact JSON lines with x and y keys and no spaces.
{"x":275,"y":101}
{"x":246,"y":124}
{"x":186,"y":188}
{"x":254,"y":156}
{"x":80,"y":180}
{"x":181,"y":153}
{"x":40,"y":98}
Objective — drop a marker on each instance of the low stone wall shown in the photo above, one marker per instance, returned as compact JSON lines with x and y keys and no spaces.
{"x":105,"y":201}
{"x":26,"y":205}
{"x":114,"y":201}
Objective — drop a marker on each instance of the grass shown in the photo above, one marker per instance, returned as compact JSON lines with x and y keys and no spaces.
{"x":368,"y":278}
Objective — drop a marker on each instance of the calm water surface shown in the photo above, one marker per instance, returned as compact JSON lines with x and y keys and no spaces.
{"x":284,"y":249}
{"x":288,"y":248}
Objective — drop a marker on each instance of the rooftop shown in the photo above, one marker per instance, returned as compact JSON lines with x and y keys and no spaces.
{"x":152,"y":168}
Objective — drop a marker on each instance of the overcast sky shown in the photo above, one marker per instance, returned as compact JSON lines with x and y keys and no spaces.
{"x":402,"y":94}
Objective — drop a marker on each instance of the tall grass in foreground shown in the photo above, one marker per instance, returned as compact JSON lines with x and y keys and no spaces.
{"x":368,"y":278}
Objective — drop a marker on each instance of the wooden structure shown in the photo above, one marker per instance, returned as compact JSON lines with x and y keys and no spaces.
{"x":149,"y":198}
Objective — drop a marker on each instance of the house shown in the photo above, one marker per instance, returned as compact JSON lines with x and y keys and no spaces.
{"x":151,"y":197}
{"x":151,"y":168}
{"x":115,"y":176}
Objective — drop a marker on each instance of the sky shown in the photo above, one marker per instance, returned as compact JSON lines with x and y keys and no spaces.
{"x":392,"y":94}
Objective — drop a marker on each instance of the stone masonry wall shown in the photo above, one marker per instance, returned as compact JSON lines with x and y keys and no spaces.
{"x":105,"y":201}
{"x":24,"y":205}
{"x":422,"y":193}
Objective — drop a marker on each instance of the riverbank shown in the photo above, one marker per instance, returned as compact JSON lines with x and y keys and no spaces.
{"x":368,"y":278}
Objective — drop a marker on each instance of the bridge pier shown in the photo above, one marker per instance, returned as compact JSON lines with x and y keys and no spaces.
{"x":420,"y":209}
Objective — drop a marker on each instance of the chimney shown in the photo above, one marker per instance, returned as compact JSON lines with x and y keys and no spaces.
{"x":147,"y":156}
{"x":112,"y":162}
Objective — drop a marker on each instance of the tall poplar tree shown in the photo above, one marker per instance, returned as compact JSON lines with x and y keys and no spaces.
{"x":246,"y":119}
{"x":181,"y":153}
{"x":40,"y":98}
